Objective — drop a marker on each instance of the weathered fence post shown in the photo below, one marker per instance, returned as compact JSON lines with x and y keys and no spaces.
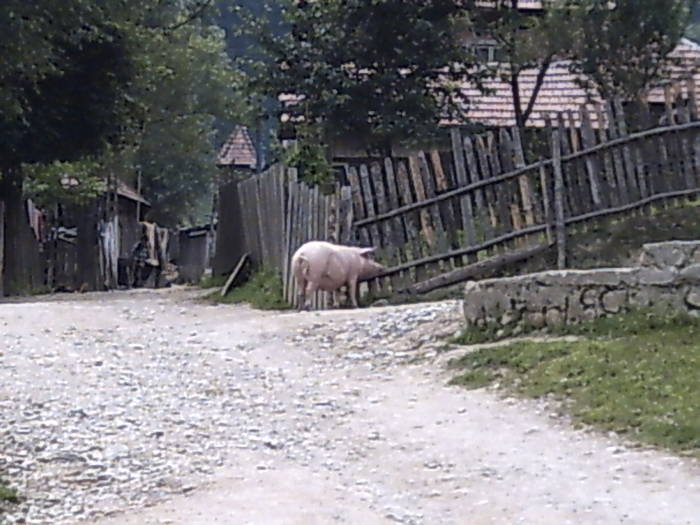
{"x":560,"y":224}
{"x":2,"y":247}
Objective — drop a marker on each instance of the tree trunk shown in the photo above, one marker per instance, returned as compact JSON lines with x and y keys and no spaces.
{"x":17,"y":277}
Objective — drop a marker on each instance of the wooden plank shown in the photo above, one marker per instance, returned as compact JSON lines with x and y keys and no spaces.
{"x":345,"y":216}
{"x":370,"y":210}
{"x":526,"y":192}
{"x":571,"y":189}
{"x":262,"y":224}
{"x":585,"y":195}
{"x":426,"y":227}
{"x":621,"y":188}
{"x":388,"y":255}
{"x":387,"y":235}
{"x":231,"y":278}
{"x":2,"y":248}
{"x":446,"y":209}
{"x":429,"y":185}
{"x":485,"y":226}
{"x":479,"y":270}
{"x":685,"y":139}
{"x":673,"y":166}
{"x":288,"y":235}
{"x":692,"y":98}
{"x":608,"y":164}
{"x":412,"y":219}
{"x":399,"y":224}
{"x":504,"y":150}
{"x":247,"y":203}
{"x":498,"y":207}
{"x":630,"y":168}
{"x":358,"y":204}
{"x":465,"y":201}
{"x":591,"y":160}
{"x":560,"y":218}
{"x":545,"y":183}
{"x":312,"y":230}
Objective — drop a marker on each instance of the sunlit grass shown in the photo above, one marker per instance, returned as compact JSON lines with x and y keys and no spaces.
{"x":636,"y":374}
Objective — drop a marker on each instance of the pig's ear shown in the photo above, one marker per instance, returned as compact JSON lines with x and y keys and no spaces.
{"x":367,"y":252}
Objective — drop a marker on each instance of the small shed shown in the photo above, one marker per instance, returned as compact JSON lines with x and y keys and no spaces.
{"x":194,"y":249}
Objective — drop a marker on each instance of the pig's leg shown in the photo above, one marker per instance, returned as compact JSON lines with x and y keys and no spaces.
{"x":352,"y":292}
{"x":301,"y":294}
{"x":311,"y":288}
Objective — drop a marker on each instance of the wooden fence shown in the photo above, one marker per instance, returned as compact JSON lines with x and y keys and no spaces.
{"x":449,"y":213}
{"x":280,"y":213}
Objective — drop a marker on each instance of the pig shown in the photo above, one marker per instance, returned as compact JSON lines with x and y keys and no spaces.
{"x":320,"y":265}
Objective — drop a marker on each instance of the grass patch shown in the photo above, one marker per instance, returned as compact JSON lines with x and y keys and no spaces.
{"x":7,"y":495}
{"x":212,"y":282}
{"x":262,"y":290}
{"x":635,"y":374}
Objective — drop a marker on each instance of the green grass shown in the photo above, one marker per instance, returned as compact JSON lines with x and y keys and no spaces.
{"x":635,"y":374}
{"x":262,"y":290}
{"x":7,"y":495}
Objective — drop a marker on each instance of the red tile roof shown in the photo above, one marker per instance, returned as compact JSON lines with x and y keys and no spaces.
{"x":561,"y":92}
{"x":238,"y":150}
{"x":522,"y":4}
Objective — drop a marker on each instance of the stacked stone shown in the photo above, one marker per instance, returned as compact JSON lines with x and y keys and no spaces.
{"x":668,"y":277}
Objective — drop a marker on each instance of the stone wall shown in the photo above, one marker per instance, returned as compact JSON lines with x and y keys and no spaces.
{"x":668,"y":276}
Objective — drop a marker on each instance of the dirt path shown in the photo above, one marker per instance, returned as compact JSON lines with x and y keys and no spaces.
{"x":160,"y":410}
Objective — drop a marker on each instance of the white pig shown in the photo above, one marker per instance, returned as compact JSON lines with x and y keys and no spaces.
{"x":320,"y":265}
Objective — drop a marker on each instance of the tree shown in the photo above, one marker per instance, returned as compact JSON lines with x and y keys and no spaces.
{"x":623,"y":47}
{"x":90,"y":90}
{"x":384,"y":71}
{"x":523,"y":40}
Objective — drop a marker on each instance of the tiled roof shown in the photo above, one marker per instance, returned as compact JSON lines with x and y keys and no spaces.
{"x":126,"y":191}
{"x":561,"y":92}
{"x":238,"y":150}
{"x":522,"y":4}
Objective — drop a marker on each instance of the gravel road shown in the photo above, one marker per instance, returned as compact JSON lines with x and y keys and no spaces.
{"x":150,"y":407}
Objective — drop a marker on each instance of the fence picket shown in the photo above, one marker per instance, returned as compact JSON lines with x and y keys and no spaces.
{"x":591,"y":161}
{"x":526,"y":192}
{"x":465,"y":202}
{"x":485,"y":221}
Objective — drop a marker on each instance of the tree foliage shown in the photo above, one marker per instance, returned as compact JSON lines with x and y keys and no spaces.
{"x":623,"y":47}
{"x":523,"y":39}
{"x":383,"y":70}
{"x":123,"y":86}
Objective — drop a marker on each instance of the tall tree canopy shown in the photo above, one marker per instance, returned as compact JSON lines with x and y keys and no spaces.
{"x":119,"y":86}
{"x":523,"y":39}
{"x":623,"y":46}
{"x":384,"y":70}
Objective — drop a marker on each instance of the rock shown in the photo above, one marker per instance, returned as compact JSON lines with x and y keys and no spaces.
{"x":614,"y":301}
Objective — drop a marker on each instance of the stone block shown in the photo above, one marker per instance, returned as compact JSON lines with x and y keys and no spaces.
{"x":691,"y":274}
{"x":535,"y":319}
{"x":666,"y":254}
{"x":692,"y":298}
{"x":591,"y":296}
{"x":554,"y":317}
{"x":656,"y":277}
{"x":614,"y":301}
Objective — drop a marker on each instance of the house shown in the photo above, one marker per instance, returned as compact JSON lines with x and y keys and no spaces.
{"x":562,"y":91}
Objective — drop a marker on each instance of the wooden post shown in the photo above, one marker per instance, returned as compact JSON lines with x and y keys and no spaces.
{"x":465,"y":202}
{"x":592,"y":164}
{"x":2,"y":248}
{"x":559,"y":200}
